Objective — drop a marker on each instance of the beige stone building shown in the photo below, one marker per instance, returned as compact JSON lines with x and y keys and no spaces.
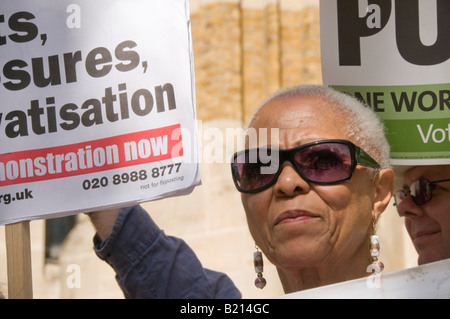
{"x":244,"y":51}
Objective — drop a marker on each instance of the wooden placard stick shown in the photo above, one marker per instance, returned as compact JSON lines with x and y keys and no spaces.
{"x":18,"y":255}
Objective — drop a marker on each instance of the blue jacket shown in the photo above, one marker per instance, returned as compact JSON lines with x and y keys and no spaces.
{"x":149,"y":264}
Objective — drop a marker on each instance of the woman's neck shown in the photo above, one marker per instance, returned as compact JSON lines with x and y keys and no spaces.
{"x":307,"y":278}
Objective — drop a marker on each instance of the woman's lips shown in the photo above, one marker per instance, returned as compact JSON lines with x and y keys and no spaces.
{"x":294,"y":216}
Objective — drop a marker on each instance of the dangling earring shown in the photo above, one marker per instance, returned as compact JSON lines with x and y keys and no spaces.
{"x":260,"y":281}
{"x":377,"y":266}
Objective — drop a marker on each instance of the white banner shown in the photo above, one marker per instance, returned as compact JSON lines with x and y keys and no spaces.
{"x":97,"y":105}
{"x":394,"y":55}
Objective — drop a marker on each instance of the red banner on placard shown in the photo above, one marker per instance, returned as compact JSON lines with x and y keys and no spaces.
{"x":91,"y":156}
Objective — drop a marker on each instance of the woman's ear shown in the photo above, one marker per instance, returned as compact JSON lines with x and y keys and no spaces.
{"x":384,"y":188}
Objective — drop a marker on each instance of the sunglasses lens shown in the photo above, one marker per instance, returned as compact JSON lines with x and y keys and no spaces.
{"x":326,"y":163}
{"x":421,"y":191}
{"x":251,"y":173}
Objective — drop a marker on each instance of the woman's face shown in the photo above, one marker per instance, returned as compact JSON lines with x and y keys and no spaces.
{"x":429,"y":225}
{"x":297,"y":224}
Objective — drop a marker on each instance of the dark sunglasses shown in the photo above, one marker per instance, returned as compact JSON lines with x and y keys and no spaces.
{"x":324,"y":162}
{"x":421,"y":192}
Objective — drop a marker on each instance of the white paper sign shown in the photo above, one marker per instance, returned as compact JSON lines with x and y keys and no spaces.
{"x":394,"y":55}
{"x":97,"y":105}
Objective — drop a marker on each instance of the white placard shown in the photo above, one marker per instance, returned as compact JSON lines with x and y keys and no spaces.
{"x":430,"y":281}
{"x":97,"y":105}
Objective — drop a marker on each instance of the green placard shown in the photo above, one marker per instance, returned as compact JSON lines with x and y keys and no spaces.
{"x":417,"y":118}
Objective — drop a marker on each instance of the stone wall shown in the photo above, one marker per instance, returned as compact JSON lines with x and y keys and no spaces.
{"x":246,"y":50}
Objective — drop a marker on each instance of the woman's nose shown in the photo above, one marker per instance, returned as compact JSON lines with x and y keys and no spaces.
{"x":289,"y":182}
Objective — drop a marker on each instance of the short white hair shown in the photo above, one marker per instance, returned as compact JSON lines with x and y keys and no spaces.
{"x":363,"y":125}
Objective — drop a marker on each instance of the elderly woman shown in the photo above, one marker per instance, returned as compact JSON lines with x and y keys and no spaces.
{"x":313,"y":218}
{"x":424,"y":201}
{"x":311,"y":209}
